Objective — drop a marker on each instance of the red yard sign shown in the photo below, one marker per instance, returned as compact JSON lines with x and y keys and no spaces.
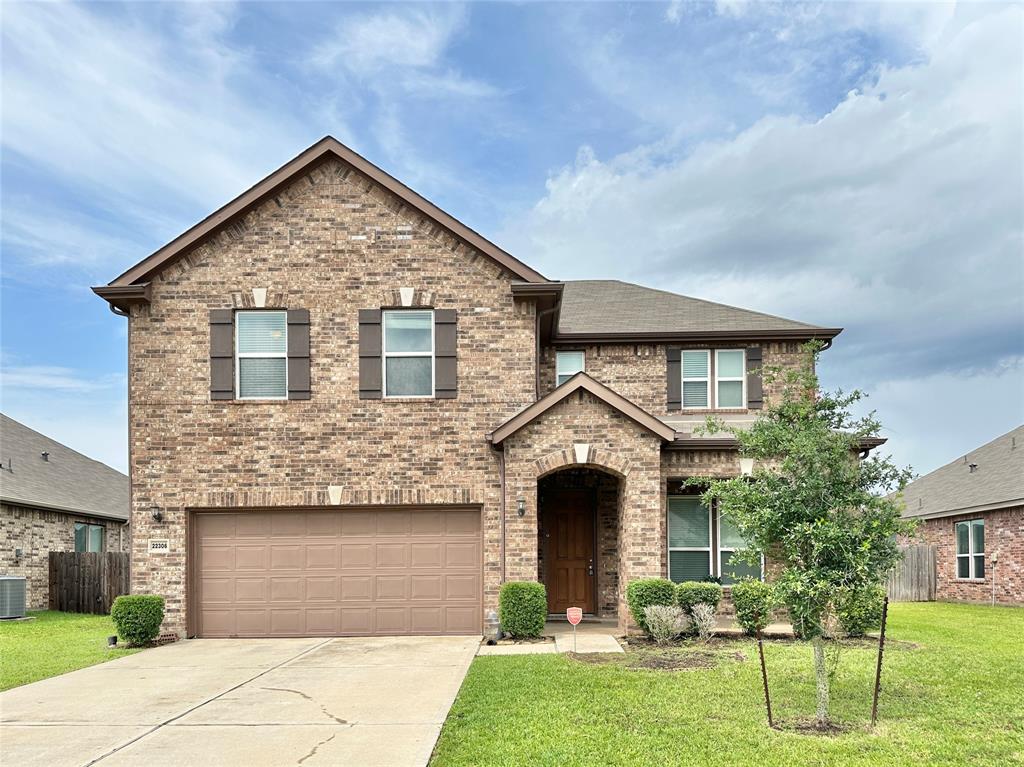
{"x":574,"y":615}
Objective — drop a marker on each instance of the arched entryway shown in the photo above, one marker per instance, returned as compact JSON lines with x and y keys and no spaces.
{"x":578,"y":539}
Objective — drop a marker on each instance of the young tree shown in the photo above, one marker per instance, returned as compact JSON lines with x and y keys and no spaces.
{"x":822,"y":513}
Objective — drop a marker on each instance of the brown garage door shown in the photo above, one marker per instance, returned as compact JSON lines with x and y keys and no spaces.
{"x":338,"y":573}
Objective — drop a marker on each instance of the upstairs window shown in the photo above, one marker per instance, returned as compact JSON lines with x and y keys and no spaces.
{"x":729,"y":378}
{"x":261,"y":351}
{"x":408,"y":353}
{"x":89,"y":537}
{"x":568,"y":364}
{"x":696,"y":373}
{"x":970,"y":549}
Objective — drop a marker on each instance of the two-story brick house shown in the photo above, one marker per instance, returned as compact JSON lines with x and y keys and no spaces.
{"x":351,"y":414}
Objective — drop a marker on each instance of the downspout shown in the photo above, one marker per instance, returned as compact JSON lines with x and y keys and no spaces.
{"x":536,"y":336}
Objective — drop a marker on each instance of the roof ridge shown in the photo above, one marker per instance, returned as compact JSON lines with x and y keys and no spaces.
{"x":962,"y":456}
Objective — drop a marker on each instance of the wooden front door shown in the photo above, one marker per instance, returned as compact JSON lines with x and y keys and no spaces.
{"x":569,"y":556}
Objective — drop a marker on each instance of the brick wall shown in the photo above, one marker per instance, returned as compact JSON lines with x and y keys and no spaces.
{"x":1004,"y":535}
{"x":38,"y":532}
{"x":332,"y":243}
{"x":639,"y":371}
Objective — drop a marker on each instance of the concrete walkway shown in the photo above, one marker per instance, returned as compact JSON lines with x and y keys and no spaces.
{"x":226,"y":702}
{"x":592,"y":636}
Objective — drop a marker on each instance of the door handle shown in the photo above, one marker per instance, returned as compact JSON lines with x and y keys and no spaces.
{"x":590,"y":567}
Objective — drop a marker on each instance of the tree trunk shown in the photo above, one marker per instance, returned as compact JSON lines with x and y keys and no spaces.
{"x":821,"y":674}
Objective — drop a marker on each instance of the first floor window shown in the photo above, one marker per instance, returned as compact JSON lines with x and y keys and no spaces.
{"x":408,"y":352}
{"x":970,"y":549}
{"x":694,"y":553}
{"x":568,"y":364}
{"x":261,"y":350}
{"x":89,"y":537}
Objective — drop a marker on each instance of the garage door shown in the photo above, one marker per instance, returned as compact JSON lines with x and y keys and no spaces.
{"x":338,"y":573}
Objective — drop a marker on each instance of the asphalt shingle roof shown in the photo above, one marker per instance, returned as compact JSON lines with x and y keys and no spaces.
{"x":998,"y":480}
{"x":67,"y":481}
{"x":611,"y":306}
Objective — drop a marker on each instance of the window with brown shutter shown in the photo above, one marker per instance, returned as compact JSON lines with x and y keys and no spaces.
{"x":445,"y":367}
{"x":408,"y":353}
{"x":674,"y":356}
{"x":222,"y":354}
{"x":370,"y":368}
{"x":298,"y":354}
{"x":260,"y":363}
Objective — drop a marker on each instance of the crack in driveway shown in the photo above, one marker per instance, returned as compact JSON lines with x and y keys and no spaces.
{"x":312,"y":753}
{"x":323,"y":708}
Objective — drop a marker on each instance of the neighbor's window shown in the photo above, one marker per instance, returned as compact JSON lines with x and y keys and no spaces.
{"x":408,"y":352}
{"x":568,"y":364}
{"x":689,"y":539}
{"x":89,"y":537}
{"x":729,"y":542}
{"x":729,"y":378}
{"x":696,"y":372}
{"x":970,"y":549}
{"x":261,"y":348}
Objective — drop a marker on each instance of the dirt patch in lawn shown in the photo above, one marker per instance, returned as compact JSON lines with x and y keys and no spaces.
{"x":811,"y":727}
{"x":652,"y":657}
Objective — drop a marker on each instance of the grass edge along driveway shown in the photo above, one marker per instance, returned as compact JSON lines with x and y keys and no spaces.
{"x":54,"y":643}
{"x":953,"y":693}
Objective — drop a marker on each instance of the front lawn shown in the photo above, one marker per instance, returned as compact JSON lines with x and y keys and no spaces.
{"x":953,"y":694}
{"x":54,"y":643}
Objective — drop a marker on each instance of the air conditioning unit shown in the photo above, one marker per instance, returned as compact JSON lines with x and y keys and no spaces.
{"x":12,"y":596}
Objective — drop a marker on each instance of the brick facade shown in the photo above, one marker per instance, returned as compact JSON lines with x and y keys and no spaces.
{"x":1004,"y":536}
{"x":37,"y":532}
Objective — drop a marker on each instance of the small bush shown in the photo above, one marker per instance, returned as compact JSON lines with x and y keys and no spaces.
{"x":753,"y":601}
{"x":137,"y":617}
{"x":704,"y":622}
{"x":665,"y":622}
{"x":643,"y":593}
{"x":860,"y":611}
{"x":691,"y":593}
{"x":523,"y":608}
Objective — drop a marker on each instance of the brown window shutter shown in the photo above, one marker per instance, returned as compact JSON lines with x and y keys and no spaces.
{"x":445,"y":373}
{"x":370,"y":373}
{"x":222,"y":354}
{"x":755,"y":392}
{"x":675,"y":378}
{"x":298,"y":354}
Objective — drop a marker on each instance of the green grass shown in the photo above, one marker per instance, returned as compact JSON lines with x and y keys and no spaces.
{"x":957,"y":698}
{"x":54,"y":643}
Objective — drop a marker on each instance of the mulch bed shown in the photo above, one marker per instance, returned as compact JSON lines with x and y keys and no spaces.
{"x":645,"y":655}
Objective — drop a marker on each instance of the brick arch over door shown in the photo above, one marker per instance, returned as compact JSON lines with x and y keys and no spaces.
{"x":582,"y":456}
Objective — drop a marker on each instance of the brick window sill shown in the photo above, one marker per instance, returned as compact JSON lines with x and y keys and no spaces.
{"x":972,"y":580}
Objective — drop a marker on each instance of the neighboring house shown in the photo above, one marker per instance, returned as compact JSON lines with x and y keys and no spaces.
{"x":53,"y":498}
{"x":351,"y":414}
{"x":972,"y":511}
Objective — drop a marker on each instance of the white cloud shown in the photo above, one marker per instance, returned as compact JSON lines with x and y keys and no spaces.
{"x":55,"y":378}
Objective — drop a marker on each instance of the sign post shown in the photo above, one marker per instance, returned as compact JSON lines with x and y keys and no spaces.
{"x":574,"y":615}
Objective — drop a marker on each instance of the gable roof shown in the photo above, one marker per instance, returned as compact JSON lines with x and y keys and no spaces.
{"x":997,"y":482}
{"x":66,"y":481}
{"x":609,"y":309}
{"x":599,"y":390}
{"x":321,"y":151}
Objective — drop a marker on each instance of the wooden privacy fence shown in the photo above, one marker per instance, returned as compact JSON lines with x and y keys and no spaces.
{"x":82,"y":582}
{"x":913,"y":579}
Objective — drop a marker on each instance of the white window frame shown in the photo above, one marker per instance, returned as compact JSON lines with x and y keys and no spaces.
{"x":731,"y":550}
{"x":742,"y":378}
{"x":260,"y":355}
{"x":668,"y":537}
{"x":558,"y":359}
{"x":384,"y":354}
{"x":971,"y":553}
{"x":708,"y":379}
{"x":88,"y":538}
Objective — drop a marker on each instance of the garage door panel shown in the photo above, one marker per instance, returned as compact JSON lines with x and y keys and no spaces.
{"x":331,"y":573}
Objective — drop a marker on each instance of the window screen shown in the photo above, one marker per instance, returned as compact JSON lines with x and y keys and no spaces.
{"x":261,"y":346}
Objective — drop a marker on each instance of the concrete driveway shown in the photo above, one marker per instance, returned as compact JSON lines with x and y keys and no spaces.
{"x":222,"y":702}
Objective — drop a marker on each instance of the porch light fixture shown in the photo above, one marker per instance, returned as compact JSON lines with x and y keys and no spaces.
{"x":158,"y":516}
{"x":521,"y":507}
{"x":746,"y":466}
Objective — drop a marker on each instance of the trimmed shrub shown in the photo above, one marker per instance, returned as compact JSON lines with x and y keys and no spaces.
{"x":665,"y":622}
{"x":137,"y":617}
{"x":523,"y":608}
{"x":642,"y":593}
{"x":690,"y":593}
{"x":704,"y":622}
{"x":860,"y":611}
{"x":753,"y":601}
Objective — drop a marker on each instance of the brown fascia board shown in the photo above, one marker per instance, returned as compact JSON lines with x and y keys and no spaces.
{"x":730,"y":443}
{"x":696,"y":336}
{"x":124,"y":296}
{"x":534,"y":289}
{"x":316,"y":154}
{"x":599,"y":390}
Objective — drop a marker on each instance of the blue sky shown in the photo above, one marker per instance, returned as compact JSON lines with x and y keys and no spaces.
{"x":849,"y":164}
